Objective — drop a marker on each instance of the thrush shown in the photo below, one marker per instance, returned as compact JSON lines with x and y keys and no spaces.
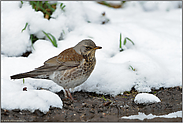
{"x":69,"y":69}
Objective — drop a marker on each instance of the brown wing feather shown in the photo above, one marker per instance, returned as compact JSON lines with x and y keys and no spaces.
{"x":66,"y":59}
{"x":52,"y":61}
{"x":69,"y":55}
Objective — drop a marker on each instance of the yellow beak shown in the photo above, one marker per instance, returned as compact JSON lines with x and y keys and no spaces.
{"x":97,"y":47}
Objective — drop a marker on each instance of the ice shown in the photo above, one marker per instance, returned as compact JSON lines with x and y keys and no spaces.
{"x":145,"y":98}
{"x":142,"y":116}
{"x":154,"y":61}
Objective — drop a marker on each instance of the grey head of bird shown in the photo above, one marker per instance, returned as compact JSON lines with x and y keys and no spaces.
{"x":86,"y":47}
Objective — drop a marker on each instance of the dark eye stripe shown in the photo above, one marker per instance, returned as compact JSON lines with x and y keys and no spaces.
{"x":88,"y":48}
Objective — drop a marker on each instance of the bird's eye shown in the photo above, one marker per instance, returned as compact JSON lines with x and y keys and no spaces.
{"x":88,"y":48}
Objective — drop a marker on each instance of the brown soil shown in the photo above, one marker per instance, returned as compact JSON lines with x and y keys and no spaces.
{"x":93,"y":107}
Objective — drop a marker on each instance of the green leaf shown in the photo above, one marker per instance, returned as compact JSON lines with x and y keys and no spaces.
{"x":24,"y":27}
{"x":47,"y":35}
{"x":154,"y":92}
{"x":33,"y":4}
{"x":54,"y":42}
{"x":130,"y":67}
{"x":124,"y":41}
{"x":44,"y":10}
{"x":130,"y":40}
{"x":21,"y":2}
{"x":103,"y":97}
{"x":31,"y":36}
{"x":62,"y":6}
{"x":23,"y":81}
{"x":49,"y":6}
{"x":37,"y":5}
{"x":120,"y":46}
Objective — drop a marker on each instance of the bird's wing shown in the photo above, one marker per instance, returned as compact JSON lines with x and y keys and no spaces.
{"x":67,"y":59}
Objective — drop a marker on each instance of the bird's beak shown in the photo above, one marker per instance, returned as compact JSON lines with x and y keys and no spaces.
{"x":97,"y":47}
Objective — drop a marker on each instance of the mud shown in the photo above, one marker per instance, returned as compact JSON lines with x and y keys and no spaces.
{"x":93,"y":107}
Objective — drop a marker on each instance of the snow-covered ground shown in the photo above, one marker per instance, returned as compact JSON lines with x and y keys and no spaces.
{"x":154,"y":27}
{"x":142,"y":116}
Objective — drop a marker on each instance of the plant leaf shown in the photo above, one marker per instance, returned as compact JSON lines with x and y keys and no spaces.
{"x":103,"y":97}
{"x":62,"y":6}
{"x":120,"y":41}
{"x":49,"y":6}
{"x":31,"y":36}
{"x":54,"y":42}
{"x":44,"y":10}
{"x":130,"y":40}
{"x":23,"y":81}
{"x":37,"y":5}
{"x":24,"y":27}
{"x":132,"y":68}
{"x":33,"y":4}
{"x":124,"y":41}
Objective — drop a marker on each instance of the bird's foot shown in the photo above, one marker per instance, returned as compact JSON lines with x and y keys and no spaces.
{"x":68,"y":95}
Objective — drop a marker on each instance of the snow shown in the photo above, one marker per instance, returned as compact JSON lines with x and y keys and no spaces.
{"x":142,"y":116}
{"x":31,"y":100}
{"x":12,"y":24}
{"x":156,"y":55}
{"x":145,"y":98}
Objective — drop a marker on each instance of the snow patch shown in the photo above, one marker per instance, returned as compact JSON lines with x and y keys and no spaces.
{"x":142,"y":116}
{"x":145,"y":98}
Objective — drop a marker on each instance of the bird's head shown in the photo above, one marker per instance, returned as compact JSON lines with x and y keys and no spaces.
{"x":86,"y":47}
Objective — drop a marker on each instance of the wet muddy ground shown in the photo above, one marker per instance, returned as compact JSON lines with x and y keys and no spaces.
{"x":93,"y":107}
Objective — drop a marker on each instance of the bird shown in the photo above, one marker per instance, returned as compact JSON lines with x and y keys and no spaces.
{"x":69,"y":69}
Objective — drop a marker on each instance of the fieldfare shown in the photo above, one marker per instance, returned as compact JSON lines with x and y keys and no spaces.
{"x":70,"y":68}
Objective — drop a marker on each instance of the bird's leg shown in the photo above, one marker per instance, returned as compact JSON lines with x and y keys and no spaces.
{"x":68,"y":94}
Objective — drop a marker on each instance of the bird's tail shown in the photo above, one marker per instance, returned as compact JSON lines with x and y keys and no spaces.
{"x":19,"y":76}
{"x":31,"y":74}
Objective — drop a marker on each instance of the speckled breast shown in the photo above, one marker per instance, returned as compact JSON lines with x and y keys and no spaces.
{"x":75,"y":76}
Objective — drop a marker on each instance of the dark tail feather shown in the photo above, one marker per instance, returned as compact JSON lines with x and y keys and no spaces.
{"x":31,"y":74}
{"x":21,"y":75}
